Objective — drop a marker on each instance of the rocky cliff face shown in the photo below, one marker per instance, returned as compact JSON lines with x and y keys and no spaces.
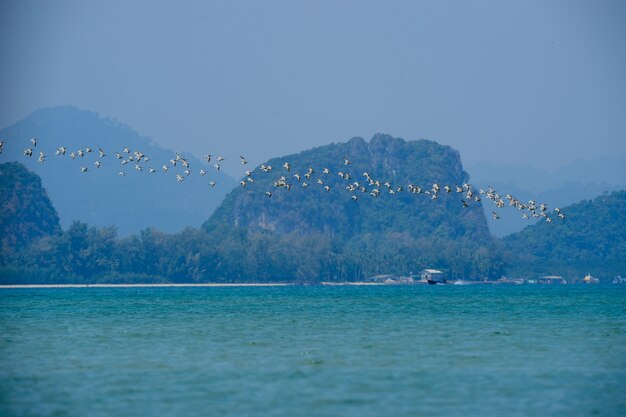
{"x":26,"y":212}
{"x":348,"y":208}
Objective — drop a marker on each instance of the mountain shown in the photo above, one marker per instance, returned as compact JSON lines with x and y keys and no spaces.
{"x":26,"y":212}
{"x":591,"y":239}
{"x":314,"y":234}
{"x":580,"y":180}
{"x":101,"y":197}
{"x":386,"y":159}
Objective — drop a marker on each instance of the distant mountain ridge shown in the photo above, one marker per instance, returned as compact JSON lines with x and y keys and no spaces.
{"x":101,"y":197}
{"x":582,"y":179}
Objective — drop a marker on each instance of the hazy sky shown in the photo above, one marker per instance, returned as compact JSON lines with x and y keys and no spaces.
{"x":539,"y":82}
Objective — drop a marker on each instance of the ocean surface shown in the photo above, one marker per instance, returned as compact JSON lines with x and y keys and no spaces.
{"x":314,"y":351}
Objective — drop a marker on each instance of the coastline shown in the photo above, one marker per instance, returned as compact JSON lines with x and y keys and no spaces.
{"x":271,"y":284}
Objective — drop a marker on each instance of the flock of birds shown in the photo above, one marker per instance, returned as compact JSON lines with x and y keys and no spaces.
{"x":369,"y":186}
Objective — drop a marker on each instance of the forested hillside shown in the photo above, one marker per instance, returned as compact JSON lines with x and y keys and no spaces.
{"x":26,"y":213}
{"x":591,"y":239}
{"x":347,"y":209}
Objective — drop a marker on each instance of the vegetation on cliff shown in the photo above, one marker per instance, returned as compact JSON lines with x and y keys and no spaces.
{"x":26,"y":212}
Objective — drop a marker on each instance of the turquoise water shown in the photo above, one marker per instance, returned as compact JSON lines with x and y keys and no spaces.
{"x":314,"y":351}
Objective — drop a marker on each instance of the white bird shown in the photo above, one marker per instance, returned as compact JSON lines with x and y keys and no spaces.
{"x":152,"y":170}
{"x":164,"y":168}
{"x":126,"y":150}
{"x":118,"y":155}
{"x":34,"y":141}
{"x":28,"y":152}
{"x":80,"y":153}
{"x":248,"y":173}
{"x":212,"y":183}
{"x":287,"y":166}
{"x":298,"y":177}
{"x":346,"y":161}
{"x":268,"y":194}
{"x":327,"y":188}
{"x":202,"y":172}
{"x":220,"y":158}
{"x":61,"y":150}
{"x":101,"y":152}
{"x":208,"y":157}
{"x":83,"y":168}
{"x":354,"y":198}
{"x":187,"y":172}
{"x":243,"y":183}
{"x":495,"y":215}
{"x":243,"y":160}
{"x":326,"y":171}
{"x":97,"y":164}
{"x":179,"y":178}
{"x":138,"y":168}
{"x":217,"y":166}
{"x":121,"y":174}
{"x":88,"y":149}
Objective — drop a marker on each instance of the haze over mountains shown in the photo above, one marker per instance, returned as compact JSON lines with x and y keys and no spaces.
{"x":135,"y":202}
{"x":101,"y":197}
{"x":561,"y":186}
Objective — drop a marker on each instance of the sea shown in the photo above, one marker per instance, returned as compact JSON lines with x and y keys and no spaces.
{"x":474,"y":350}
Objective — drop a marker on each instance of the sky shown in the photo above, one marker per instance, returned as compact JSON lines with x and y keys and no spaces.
{"x":533,"y":82}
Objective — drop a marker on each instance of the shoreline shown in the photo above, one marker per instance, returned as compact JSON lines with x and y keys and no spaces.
{"x":271,"y":284}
